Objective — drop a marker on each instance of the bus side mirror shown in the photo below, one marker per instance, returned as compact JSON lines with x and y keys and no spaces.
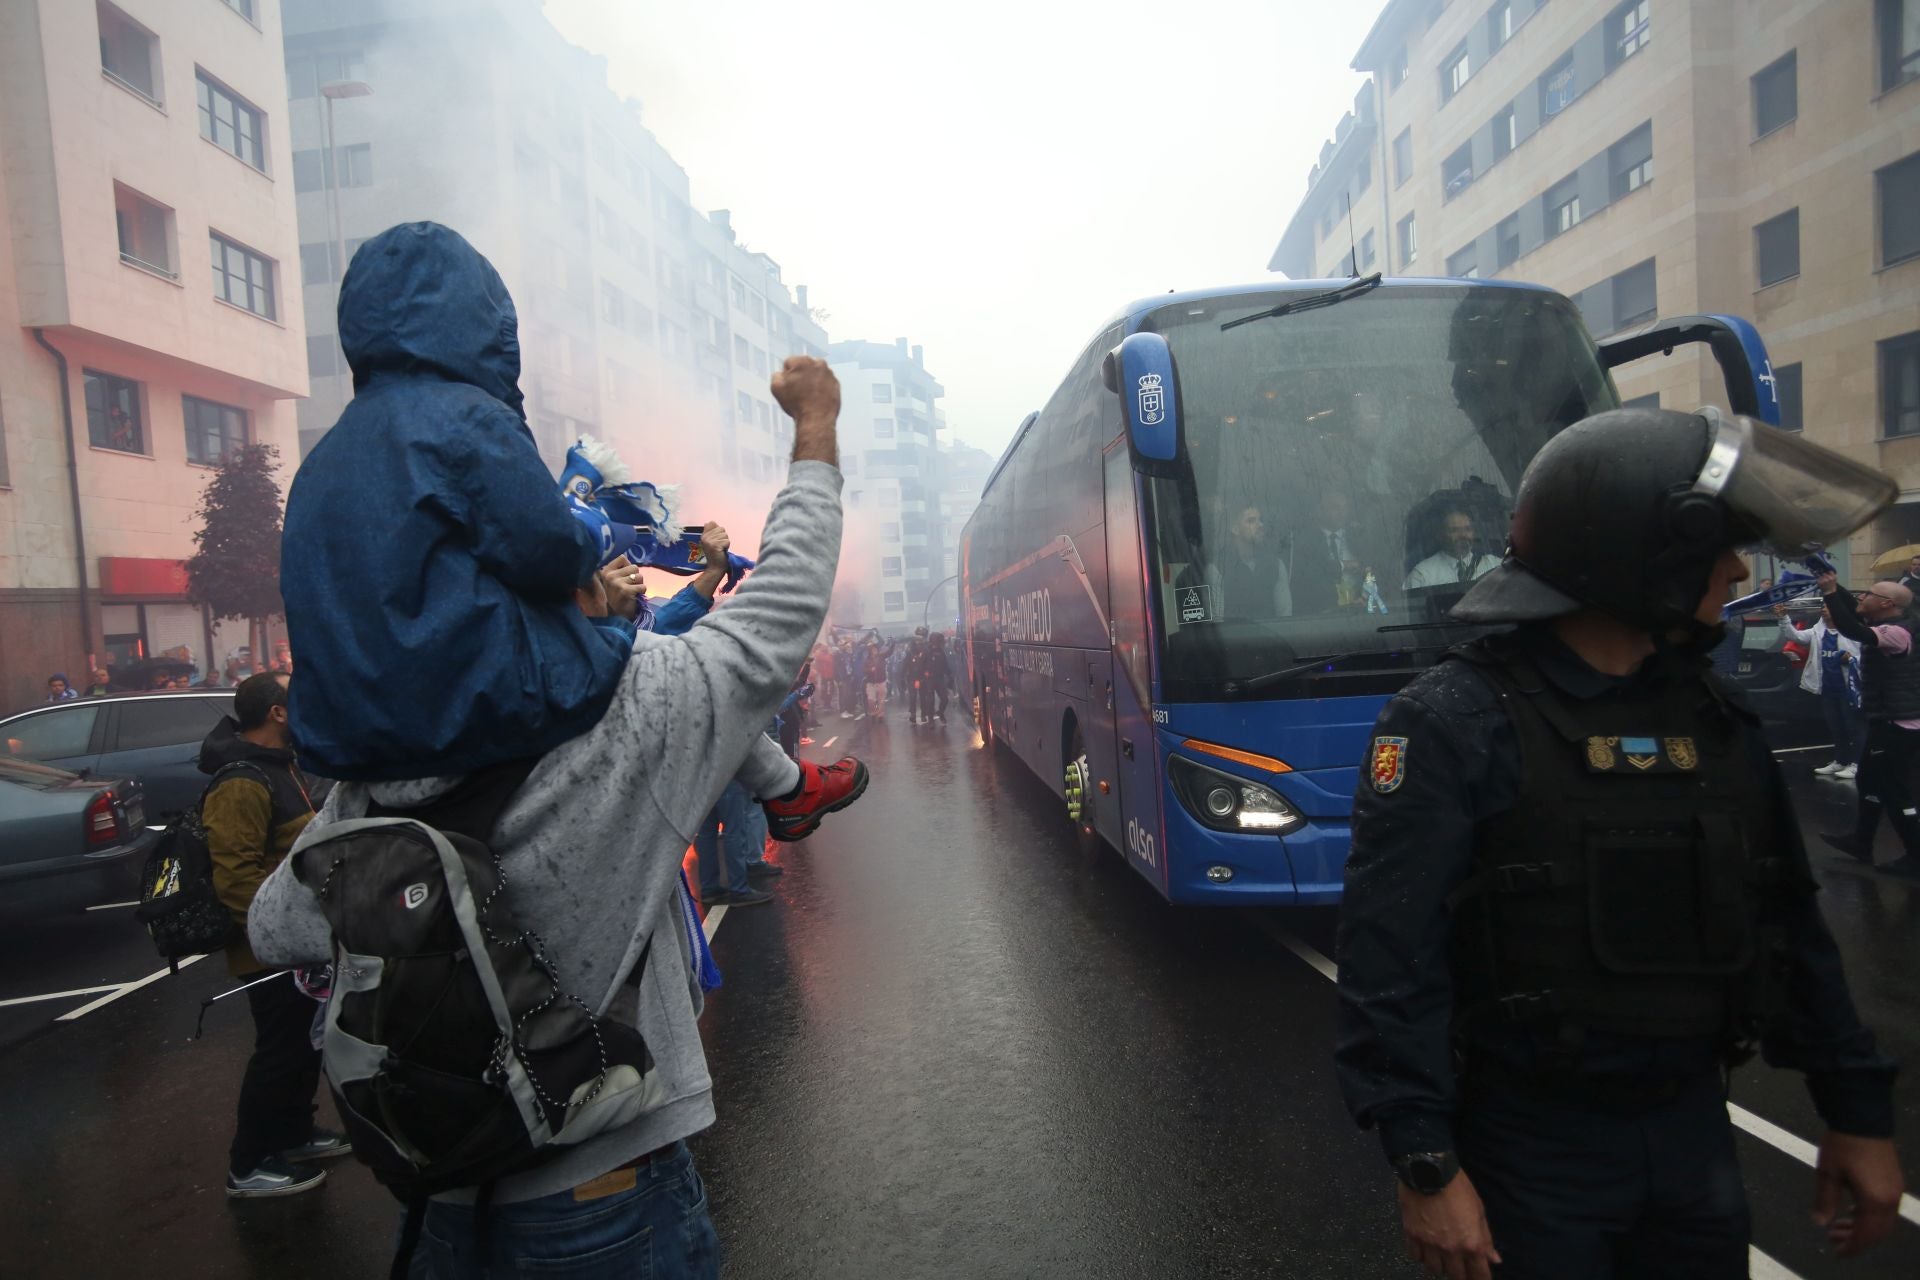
{"x":1140,"y":371}
{"x":1736,"y":347}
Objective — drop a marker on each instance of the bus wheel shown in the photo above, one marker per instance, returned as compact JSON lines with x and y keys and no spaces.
{"x":1080,"y":796}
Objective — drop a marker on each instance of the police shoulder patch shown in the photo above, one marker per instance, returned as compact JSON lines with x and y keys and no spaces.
{"x":1388,"y":764}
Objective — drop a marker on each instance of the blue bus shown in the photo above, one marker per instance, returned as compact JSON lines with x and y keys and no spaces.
{"x":1237,"y":527}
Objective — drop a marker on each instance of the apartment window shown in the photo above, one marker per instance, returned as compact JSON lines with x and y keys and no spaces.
{"x":213,"y":430}
{"x":1899,"y":23}
{"x":1505,"y":134}
{"x":883,"y":428}
{"x":1776,"y":248}
{"x":1455,"y":71}
{"x":764,"y":414}
{"x":313,"y":169}
{"x":1403,"y":157}
{"x":1776,"y":95}
{"x":1630,"y":161}
{"x":759,"y":361}
{"x":1329,"y":218}
{"x":739,"y":295}
{"x":1786,"y":386}
{"x":1899,"y":188}
{"x":1500,"y":24}
{"x":230,"y":122}
{"x":241,"y":276}
{"x":740,"y":352}
{"x":128,"y":52}
{"x":1456,"y":173}
{"x":323,"y":355}
{"x":743,"y":403}
{"x":1506,"y":239}
{"x":1633,"y":295}
{"x":1465,"y":265}
{"x":1409,"y":240}
{"x":891,"y":567}
{"x":146,"y":232}
{"x":613,"y":306}
{"x":1557,"y":90}
{"x":1562,"y":203}
{"x":605,"y":224}
{"x":882,"y":393}
{"x":890,"y":531}
{"x":1363,"y":179}
{"x":1342,"y":269}
{"x":113,"y":413}
{"x":242,"y":7}
{"x":1900,"y":385}
{"x":1367,"y":254}
{"x":893,"y":601}
{"x":1397,"y":69}
{"x":757,"y":308}
{"x":1628,"y":25}
{"x":306,"y":74}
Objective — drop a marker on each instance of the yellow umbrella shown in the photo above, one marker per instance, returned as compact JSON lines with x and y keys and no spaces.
{"x":1888,"y":561}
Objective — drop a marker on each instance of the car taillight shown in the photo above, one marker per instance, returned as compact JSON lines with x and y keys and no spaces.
{"x":103,"y":820}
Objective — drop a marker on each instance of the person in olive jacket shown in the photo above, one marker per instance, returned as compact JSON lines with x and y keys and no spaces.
{"x":253,"y":808}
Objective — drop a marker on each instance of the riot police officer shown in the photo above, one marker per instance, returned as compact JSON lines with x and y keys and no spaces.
{"x":1577,"y":895}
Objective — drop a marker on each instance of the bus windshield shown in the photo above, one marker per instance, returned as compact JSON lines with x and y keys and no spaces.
{"x":1348,"y":473}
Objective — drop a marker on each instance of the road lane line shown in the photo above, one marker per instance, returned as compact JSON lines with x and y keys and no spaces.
{"x":109,"y":906}
{"x":829,"y":742}
{"x":59,"y":995}
{"x":122,"y":990}
{"x":1768,"y":1132}
{"x":711,"y":925}
{"x":1788,"y":751}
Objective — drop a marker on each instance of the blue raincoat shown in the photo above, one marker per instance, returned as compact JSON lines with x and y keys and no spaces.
{"x":429,"y":559}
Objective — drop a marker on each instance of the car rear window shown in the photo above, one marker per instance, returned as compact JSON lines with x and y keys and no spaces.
{"x":51,"y":735}
{"x":167,"y":722}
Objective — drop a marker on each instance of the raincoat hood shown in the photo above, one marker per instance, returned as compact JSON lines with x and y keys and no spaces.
{"x":418,"y":295}
{"x":225,"y":746}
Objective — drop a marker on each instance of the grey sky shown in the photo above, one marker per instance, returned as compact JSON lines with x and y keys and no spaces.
{"x":992,"y":180}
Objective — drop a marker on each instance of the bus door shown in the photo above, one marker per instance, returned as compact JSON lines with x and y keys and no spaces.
{"x":1135,"y":820}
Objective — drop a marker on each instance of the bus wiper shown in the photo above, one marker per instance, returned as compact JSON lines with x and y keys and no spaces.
{"x":1352,"y":289}
{"x":1254,"y":684}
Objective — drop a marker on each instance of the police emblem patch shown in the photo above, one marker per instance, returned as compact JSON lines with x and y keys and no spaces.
{"x":1389,"y":764}
{"x":1681,"y":751}
{"x":1600,"y":754}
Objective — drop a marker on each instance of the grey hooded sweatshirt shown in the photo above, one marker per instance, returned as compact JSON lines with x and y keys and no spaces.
{"x":592,"y":843}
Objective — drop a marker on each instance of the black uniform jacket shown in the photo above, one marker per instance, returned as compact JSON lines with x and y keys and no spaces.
{"x":1413,"y":844}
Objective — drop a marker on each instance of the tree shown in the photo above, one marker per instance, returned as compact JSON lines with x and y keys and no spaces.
{"x":235,"y":570}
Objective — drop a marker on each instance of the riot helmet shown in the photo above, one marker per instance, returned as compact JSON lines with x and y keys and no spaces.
{"x":1628,"y":510}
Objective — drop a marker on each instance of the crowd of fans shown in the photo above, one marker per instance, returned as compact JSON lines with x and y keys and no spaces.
{"x":859,"y":673}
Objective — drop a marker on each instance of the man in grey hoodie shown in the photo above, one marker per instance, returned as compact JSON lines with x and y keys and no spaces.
{"x":592,"y":846}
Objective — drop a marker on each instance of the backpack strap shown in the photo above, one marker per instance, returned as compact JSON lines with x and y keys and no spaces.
{"x":473,"y":806}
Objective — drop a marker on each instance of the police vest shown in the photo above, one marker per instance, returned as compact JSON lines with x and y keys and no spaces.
{"x":1624,"y":891}
{"x":1890,"y":684}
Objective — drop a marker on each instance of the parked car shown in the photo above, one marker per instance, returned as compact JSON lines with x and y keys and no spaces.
{"x":1771,"y":681}
{"x":69,"y":841}
{"x":154,"y":737}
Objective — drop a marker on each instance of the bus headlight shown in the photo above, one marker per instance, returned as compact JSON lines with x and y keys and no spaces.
{"x":1226,"y":803}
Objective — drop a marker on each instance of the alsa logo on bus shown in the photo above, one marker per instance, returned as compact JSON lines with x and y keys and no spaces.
{"x":1140,"y":842}
{"x":1024,"y":619}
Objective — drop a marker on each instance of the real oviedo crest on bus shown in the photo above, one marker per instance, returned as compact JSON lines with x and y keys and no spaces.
{"x":1389,"y":764}
{"x":1152,"y":404}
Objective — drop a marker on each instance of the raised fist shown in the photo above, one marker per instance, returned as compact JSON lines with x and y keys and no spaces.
{"x":807,"y":390}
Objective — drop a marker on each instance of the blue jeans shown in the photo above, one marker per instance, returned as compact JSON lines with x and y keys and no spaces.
{"x":655,"y":1226}
{"x":1846,"y":724}
{"x":744,"y":841}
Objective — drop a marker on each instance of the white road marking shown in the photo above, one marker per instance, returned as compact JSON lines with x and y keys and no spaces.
{"x":1761,"y":1267}
{"x":1765,"y":1130}
{"x":122,"y":990}
{"x":59,"y":995}
{"x":829,"y":742}
{"x":711,"y":925}
{"x":1788,"y":751}
{"x":110,"y":906}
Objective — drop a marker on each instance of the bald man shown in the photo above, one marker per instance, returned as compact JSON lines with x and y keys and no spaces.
{"x":1882,"y":620}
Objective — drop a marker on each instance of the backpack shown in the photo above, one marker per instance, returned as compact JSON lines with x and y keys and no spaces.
{"x":183,"y":915}
{"x":454,"y":1054}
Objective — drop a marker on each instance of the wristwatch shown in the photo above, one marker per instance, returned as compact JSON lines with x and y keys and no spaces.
{"x":1427,"y":1172}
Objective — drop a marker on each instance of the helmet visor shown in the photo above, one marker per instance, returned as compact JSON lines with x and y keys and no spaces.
{"x":1798,"y":496}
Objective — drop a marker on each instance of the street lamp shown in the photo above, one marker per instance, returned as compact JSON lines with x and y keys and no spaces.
{"x":927,"y":606}
{"x":339,"y":89}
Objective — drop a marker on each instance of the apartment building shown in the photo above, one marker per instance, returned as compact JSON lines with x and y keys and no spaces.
{"x":641,"y":320}
{"x":150,"y":314}
{"x":963,"y":476}
{"x":890,"y":453}
{"x":1658,"y":158}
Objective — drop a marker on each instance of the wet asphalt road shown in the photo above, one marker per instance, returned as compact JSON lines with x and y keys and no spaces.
{"x":953,"y":1047}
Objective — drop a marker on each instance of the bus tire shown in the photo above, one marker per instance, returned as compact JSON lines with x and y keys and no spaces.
{"x":1077,"y":777}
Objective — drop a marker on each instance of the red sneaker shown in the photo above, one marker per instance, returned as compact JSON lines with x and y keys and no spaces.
{"x":824,"y":789}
